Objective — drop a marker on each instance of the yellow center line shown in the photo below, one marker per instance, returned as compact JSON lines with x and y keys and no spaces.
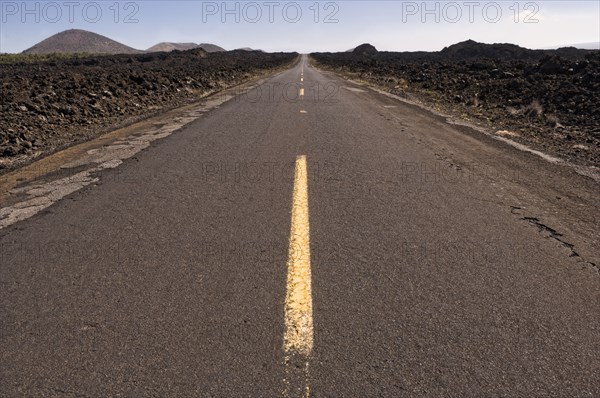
{"x":298,"y":337}
{"x":298,"y":303}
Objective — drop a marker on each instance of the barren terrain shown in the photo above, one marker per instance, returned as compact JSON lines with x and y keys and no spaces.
{"x":547,"y":100}
{"x":48,"y":105}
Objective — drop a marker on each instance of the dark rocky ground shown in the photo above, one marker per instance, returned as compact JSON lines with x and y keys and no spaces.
{"x":548,"y":100}
{"x":48,"y":105}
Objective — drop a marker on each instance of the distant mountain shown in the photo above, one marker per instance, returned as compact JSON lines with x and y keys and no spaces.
{"x":249,"y":49}
{"x":80,"y":41}
{"x":83,"y":41}
{"x":168,"y":46}
{"x":211,"y":48}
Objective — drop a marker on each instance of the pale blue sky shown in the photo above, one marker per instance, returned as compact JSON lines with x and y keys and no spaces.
{"x":389,"y":25}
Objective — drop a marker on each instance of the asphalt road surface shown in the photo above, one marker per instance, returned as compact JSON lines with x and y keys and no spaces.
{"x":309,"y":237}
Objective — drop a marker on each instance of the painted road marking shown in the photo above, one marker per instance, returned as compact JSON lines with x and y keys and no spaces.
{"x":298,"y":337}
{"x":303,"y":111}
{"x":356,"y":90}
{"x":302,"y":92}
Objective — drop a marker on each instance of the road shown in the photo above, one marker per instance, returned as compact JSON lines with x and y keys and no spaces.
{"x":309,"y":237}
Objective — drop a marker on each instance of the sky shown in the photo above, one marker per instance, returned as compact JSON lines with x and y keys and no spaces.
{"x":306,"y":26}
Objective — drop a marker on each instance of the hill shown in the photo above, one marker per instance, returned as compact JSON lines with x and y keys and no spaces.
{"x":468,"y":50}
{"x":471,"y":49}
{"x":168,"y":46}
{"x":249,"y":49}
{"x":211,"y":48}
{"x":80,"y":41}
{"x":365,"y":49}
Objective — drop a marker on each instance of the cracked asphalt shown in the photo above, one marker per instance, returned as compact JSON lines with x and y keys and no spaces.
{"x":443,"y":261}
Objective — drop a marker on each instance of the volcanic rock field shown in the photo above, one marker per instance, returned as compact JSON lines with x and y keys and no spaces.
{"x":51,"y":104}
{"x":546,"y":99}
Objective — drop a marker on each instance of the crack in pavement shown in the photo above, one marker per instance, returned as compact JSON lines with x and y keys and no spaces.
{"x":551,"y":233}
